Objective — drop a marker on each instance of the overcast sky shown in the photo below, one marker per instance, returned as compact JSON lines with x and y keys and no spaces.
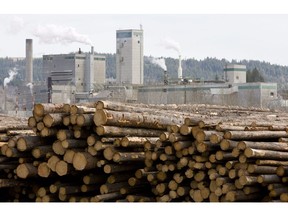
{"x":229,"y":36}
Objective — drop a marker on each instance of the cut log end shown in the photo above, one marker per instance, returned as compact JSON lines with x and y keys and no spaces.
{"x":100,"y":118}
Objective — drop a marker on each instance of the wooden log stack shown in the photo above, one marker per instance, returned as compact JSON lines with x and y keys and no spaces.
{"x":115,"y":152}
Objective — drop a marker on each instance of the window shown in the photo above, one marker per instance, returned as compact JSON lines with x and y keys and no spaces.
{"x":271,"y":94}
{"x":237,"y":77}
{"x":78,"y":65}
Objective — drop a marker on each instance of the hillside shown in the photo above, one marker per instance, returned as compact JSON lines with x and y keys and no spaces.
{"x":206,"y":69}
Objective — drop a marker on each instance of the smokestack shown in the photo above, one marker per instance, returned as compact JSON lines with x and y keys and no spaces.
{"x":29,"y":61}
{"x":92,"y":50}
{"x":180,"y":69}
{"x":165,"y":77}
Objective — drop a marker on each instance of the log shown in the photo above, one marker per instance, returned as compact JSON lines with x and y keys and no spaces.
{"x":41,"y":151}
{"x":92,"y":178}
{"x":73,"y":119}
{"x":118,"y":177}
{"x":255,"y":135}
{"x":272,"y":162}
{"x":109,"y":188}
{"x":216,"y":138}
{"x":128,"y":156}
{"x":275,"y":146}
{"x":81,"y":109}
{"x":265,"y":154}
{"x":136,"y":198}
{"x":248,"y":180}
{"x":85,"y":120}
{"x":66,"y":120}
{"x":203,"y":135}
{"x":40,"y":126}
{"x":69,"y":154}
{"x":282,"y":171}
{"x":48,"y":132}
{"x":26,"y":170}
{"x":71,"y":189}
{"x":62,"y":168}
{"x":73,"y":143}
{"x":113,"y":168}
{"x":228,"y":144}
{"x":278,"y":191}
{"x":179,"y":145}
{"x":185,"y":130}
{"x":89,"y":188}
{"x":120,"y":131}
{"x":268,"y":179}
{"x":44,"y":108}
{"x":84,"y":161}
{"x":137,"y":141}
{"x":32,"y":122}
{"x":107,"y":197}
{"x":174,"y":137}
{"x":133,"y":119}
{"x":64,"y":134}
{"x":224,"y":128}
{"x":252,"y":168}
{"x":44,"y":170}
{"x":53,"y":119}
{"x":20,"y":132}
{"x":52,"y":161}
{"x":58,"y":148}
{"x":25,"y":143}
{"x":239,"y":195}
{"x":92,"y":139}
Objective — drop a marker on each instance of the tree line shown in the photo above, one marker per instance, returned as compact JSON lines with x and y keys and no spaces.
{"x":193,"y":69}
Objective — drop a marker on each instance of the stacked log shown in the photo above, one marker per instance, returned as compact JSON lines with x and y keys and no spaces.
{"x":109,"y":151}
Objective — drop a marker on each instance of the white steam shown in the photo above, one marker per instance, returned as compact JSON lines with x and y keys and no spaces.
{"x":160,"y":62}
{"x":171,"y":44}
{"x":30,"y":85}
{"x":16,"y":25}
{"x":60,"y":34}
{"x":12,"y":74}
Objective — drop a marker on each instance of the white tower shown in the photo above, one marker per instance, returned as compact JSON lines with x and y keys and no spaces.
{"x":129,"y":56}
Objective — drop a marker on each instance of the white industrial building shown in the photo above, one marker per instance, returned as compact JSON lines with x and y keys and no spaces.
{"x":129,"y":57}
{"x":235,"y":73}
{"x":73,"y":74}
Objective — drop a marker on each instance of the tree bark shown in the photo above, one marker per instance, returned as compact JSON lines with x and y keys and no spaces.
{"x":265,"y":154}
{"x":120,"y":131}
{"x":255,"y":135}
{"x":133,"y":119}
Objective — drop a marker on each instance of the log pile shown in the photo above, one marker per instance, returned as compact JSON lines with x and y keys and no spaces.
{"x":115,"y":152}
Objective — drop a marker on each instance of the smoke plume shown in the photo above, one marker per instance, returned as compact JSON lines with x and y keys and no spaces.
{"x":59,"y":34}
{"x":16,"y":25}
{"x":12,"y":74}
{"x":160,"y":62}
{"x":171,"y":44}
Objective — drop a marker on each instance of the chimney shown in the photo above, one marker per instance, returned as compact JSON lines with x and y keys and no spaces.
{"x":165,"y":77}
{"x":79,"y":51}
{"x":92,"y":50}
{"x":180,"y":69}
{"x":29,"y":61}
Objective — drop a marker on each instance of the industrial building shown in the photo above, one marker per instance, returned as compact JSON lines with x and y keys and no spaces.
{"x":73,"y":75}
{"x":129,"y":57}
